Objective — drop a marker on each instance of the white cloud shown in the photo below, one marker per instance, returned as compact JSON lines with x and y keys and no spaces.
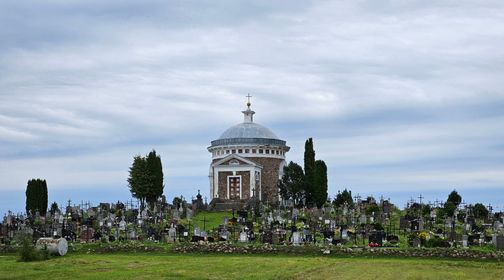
{"x":84,"y":83}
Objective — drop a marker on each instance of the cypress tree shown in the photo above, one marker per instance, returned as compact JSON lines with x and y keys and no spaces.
{"x":320,"y":183}
{"x":309,"y":169}
{"x":155,"y":167}
{"x":36,"y":196}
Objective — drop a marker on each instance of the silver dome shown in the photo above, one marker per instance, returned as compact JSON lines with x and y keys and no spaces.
{"x":248,"y":130}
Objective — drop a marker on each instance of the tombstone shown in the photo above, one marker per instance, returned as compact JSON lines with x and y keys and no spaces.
{"x":189,"y":213}
{"x":465,"y":239}
{"x":172,"y":235}
{"x":494,"y":239}
{"x":420,"y":224}
{"x":344,"y":234}
{"x":176,"y":214}
{"x":267,"y":237}
{"x":296,"y":238}
{"x":377,"y":238}
{"x":122,"y":224}
{"x":500,"y":243}
{"x":416,"y":242}
{"x":414,"y":225}
{"x":363,"y":219}
{"x":132,"y":235}
{"x":87,"y":235}
{"x":197,"y":231}
{"x":295,"y":214}
{"x":243,"y":237}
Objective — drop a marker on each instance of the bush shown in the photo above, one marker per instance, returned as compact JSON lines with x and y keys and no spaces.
{"x":437,"y":243}
{"x":27,"y":251}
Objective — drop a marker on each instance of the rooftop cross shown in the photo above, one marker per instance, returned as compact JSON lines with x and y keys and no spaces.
{"x":248,"y":100}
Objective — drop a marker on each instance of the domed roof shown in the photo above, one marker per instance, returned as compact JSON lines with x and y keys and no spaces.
{"x":248,"y":130}
{"x":248,"y":133}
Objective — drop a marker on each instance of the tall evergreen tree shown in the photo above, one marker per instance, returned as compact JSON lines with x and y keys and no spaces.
{"x":155,"y":167}
{"x":146,"y":179}
{"x":36,"y":196}
{"x":309,"y":169}
{"x":139,"y":180}
{"x":292,"y":185}
{"x":320,"y":183}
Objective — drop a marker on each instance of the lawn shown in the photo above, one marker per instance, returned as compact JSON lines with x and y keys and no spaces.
{"x":170,"y":266}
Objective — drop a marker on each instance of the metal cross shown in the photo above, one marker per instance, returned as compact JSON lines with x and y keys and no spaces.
{"x":421,"y":197}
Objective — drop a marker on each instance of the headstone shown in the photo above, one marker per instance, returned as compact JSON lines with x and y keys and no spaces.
{"x":500,"y":243}
{"x":296,"y":238}
{"x":465,"y":241}
{"x":243,"y":237}
{"x":189,"y":213}
{"x":267,"y":237}
{"x":295,"y":213}
{"x":363,"y":219}
{"x":175,"y":214}
{"x":122,"y":224}
{"x":420,"y":224}
{"x":344,"y":234}
{"x":197,"y":231}
{"x":377,"y":238}
{"x":172,"y":234}
{"x":416,"y":242}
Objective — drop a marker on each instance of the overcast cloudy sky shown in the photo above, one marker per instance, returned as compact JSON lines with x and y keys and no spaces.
{"x":402,"y":98}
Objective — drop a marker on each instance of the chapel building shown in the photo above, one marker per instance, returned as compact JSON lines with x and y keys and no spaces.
{"x":247,"y":162}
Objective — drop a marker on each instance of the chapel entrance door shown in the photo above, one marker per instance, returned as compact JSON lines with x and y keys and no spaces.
{"x":234,"y":188}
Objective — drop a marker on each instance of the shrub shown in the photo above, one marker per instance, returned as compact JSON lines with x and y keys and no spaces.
{"x":28,"y":252}
{"x":437,"y":242}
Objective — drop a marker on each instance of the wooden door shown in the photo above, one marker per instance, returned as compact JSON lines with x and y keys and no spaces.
{"x":234,"y":188}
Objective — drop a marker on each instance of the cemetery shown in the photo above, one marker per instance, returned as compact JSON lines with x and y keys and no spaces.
{"x":263,"y":212}
{"x":373,"y":233}
{"x":367,"y":227}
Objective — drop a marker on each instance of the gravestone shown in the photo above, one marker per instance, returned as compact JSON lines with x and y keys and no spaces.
{"x":465,"y":239}
{"x":500,"y":243}
{"x":363,"y":219}
{"x":344,"y":234}
{"x":296,"y":238}
{"x":420,"y":224}
{"x":295,"y":213}
{"x":189,"y":213}
{"x":172,"y":234}
{"x":267,"y":237}
{"x":416,"y":242}
{"x":243,"y":237}
{"x":377,"y":238}
{"x":403,"y":223}
{"x":176,"y":214}
{"x":122,"y":224}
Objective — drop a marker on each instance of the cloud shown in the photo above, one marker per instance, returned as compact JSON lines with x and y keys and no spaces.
{"x":394,"y":94}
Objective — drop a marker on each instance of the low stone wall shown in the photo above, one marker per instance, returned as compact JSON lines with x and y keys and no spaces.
{"x":225,"y":248}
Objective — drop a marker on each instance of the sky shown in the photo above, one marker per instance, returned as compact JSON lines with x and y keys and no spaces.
{"x":402,"y":98}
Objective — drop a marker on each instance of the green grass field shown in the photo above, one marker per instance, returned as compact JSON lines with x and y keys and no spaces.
{"x":156,"y":266}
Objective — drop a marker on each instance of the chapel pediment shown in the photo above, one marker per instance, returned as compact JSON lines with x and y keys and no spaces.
{"x":235,"y":160}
